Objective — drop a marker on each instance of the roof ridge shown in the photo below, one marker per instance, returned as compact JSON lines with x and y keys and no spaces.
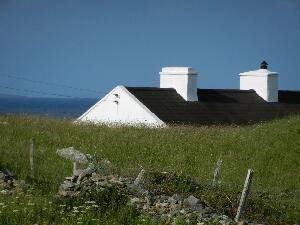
{"x":206,"y":89}
{"x":296,"y":91}
{"x":199,"y":89}
{"x":226,"y":90}
{"x":150,"y":88}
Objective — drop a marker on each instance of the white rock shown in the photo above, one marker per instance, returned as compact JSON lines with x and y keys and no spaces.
{"x":140,"y":177}
{"x":67,"y":185}
{"x":72,"y":154}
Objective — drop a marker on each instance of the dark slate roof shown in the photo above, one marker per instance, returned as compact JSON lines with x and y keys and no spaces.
{"x":216,"y":106}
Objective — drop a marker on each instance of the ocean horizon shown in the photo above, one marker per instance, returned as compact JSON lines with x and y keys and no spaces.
{"x":50,"y":107}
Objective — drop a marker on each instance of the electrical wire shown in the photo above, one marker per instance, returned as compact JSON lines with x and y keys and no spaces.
{"x":37,"y":92}
{"x":50,"y":83}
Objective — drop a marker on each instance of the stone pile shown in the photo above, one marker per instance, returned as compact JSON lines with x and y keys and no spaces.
{"x":9,"y":185}
{"x":168,"y":208}
{"x":88,"y":179}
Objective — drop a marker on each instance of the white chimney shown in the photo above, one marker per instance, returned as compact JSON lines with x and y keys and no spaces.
{"x":263,"y":81}
{"x":182,"y":79}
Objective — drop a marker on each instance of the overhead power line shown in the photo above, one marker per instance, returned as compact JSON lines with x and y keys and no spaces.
{"x":37,"y":92}
{"x":49,"y":83}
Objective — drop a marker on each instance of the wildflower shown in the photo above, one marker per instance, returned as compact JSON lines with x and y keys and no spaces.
{"x":62,"y":205}
{"x":75,"y":211}
{"x":79,"y":222}
{"x":96,"y":206}
{"x":1,"y":203}
{"x":15,"y":210}
{"x":30,"y":204}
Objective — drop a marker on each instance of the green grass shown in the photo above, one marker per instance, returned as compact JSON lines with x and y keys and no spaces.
{"x":272,"y":150}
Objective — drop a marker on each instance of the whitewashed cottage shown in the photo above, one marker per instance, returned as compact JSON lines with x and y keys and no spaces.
{"x":178,"y":100}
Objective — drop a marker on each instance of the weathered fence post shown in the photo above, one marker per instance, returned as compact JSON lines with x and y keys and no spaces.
{"x":245,"y":194}
{"x":74,"y":167}
{"x":32,"y":158}
{"x":217,"y":173}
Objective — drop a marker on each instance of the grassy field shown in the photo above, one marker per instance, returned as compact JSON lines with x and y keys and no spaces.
{"x":272,"y":150}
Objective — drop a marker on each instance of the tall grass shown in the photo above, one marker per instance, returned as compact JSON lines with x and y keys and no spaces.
{"x":272,"y":150}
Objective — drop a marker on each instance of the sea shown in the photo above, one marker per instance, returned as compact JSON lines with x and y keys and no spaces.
{"x":48,"y":107}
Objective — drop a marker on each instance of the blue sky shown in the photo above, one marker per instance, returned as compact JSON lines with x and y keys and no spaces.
{"x":98,"y":44}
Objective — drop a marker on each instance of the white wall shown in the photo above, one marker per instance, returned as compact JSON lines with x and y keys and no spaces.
{"x":120,"y":107}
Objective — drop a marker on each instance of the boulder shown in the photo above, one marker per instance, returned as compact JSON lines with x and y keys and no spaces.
{"x":191,"y":201}
{"x":72,"y":154}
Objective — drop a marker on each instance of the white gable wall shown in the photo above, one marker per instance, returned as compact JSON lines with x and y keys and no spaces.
{"x":120,"y":107}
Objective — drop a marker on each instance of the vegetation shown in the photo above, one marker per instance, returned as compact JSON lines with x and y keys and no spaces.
{"x":272,"y":150}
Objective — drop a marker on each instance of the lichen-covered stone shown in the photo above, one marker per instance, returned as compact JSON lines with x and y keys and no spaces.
{"x":72,"y":154}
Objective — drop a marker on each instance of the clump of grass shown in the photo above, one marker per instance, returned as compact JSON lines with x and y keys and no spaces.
{"x":170,"y":183}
